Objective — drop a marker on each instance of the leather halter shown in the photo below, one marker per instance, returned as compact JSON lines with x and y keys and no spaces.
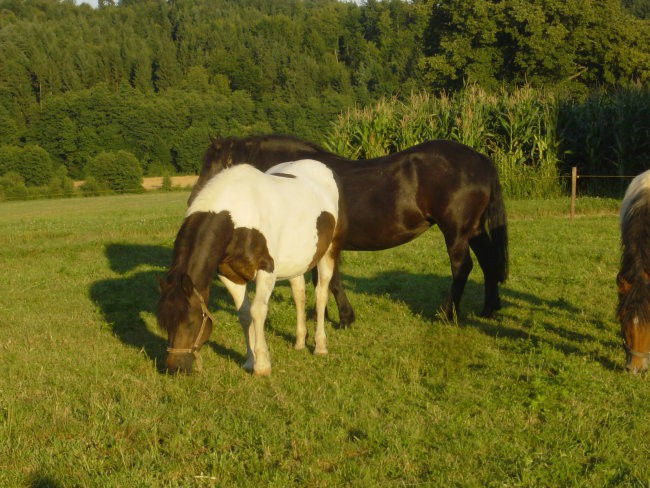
{"x":642,"y":355}
{"x":206,"y":315}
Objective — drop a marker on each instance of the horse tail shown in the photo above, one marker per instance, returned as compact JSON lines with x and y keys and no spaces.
{"x":495,"y":214}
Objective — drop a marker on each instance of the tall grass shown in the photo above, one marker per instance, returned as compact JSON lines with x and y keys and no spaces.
{"x":532,"y":135}
{"x":517,"y":130}
{"x":535,"y":397}
{"x":607,"y":133}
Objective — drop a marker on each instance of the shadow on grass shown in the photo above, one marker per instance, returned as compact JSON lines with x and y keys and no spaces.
{"x":424,"y":294}
{"x":123,"y":300}
{"x":38,"y":480}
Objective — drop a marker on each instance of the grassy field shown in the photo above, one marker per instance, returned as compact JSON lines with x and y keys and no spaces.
{"x":537,"y":397}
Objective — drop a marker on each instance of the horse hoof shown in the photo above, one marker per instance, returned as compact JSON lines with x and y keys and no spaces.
{"x":320,"y":351}
{"x":346,"y":320}
{"x":299,"y":346}
{"x":488,"y":313}
{"x":262,"y":372}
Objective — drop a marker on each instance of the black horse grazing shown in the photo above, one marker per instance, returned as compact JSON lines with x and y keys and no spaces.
{"x":393,"y":199}
{"x":634,"y":276}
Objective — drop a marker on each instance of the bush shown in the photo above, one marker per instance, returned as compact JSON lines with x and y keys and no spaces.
{"x":35,"y":166}
{"x":9,"y":159}
{"x":120,"y":172}
{"x":12,"y":186}
{"x":93,"y":188}
{"x":166,"y":182}
{"x":32,"y":163}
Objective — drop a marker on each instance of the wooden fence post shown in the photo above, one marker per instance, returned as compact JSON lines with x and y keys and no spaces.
{"x":574,"y":184}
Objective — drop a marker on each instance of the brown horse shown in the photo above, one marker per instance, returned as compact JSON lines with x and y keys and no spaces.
{"x":634,"y":276}
{"x":393,"y":199}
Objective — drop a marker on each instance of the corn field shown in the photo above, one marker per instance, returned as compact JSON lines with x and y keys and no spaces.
{"x":532,"y":135}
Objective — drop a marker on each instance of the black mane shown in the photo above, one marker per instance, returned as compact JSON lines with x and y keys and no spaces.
{"x":256,"y":149}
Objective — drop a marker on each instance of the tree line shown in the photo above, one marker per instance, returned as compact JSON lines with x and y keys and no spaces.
{"x":155,"y":78}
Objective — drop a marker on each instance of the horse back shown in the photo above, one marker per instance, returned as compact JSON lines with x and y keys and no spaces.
{"x":289,"y":215}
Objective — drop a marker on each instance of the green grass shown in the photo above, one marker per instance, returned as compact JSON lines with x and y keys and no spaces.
{"x":537,"y":397}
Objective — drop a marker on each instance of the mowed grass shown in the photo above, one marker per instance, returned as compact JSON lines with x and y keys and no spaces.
{"x":536,"y":397}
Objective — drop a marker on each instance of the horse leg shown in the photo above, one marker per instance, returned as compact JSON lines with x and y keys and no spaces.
{"x":346,"y":313}
{"x":481,"y":245}
{"x":264,"y":283}
{"x":461,"y":265}
{"x":298,"y":293}
{"x":239,"y":297}
{"x":325,"y":267}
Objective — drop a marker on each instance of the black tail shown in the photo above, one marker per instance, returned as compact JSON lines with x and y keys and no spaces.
{"x":497,"y":228}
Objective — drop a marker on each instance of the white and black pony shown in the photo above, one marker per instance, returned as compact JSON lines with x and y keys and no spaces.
{"x":392,"y":199}
{"x":247,"y":225}
{"x":633,"y":279}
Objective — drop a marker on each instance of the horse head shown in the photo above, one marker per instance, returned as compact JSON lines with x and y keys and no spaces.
{"x":220,"y":154}
{"x":634,"y":315}
{"x":182,"y":312}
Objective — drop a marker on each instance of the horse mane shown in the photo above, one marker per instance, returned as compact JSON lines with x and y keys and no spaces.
{"x":192,"y":239}
{"x":174,"y":305}
{"x":241,"y":149}
{"x":635,"y":259}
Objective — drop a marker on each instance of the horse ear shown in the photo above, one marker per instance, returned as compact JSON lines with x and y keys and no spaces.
{"x":187,"y":284}
{"x":623,"y":285}
{"x":215,"y":141}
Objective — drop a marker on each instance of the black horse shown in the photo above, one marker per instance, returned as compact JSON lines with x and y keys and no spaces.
{"x":393,"y":199}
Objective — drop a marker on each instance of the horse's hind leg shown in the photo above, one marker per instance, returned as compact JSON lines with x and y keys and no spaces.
{"x":461,"y":265}
{"x":482,"y":247}
{"x":325,"y":272}
{"x":298,"y":293}
{"x":346,"y":313}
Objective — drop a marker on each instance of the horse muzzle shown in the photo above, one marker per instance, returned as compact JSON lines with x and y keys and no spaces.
{"x":184,"y":362}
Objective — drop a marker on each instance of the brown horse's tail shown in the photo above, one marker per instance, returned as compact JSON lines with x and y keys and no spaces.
{"x":497,"y":229}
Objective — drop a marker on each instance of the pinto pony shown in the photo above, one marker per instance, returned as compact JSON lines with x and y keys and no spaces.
{"x":247,"y":225}
{"x":633,"y":279}
{"x":393,"y":199}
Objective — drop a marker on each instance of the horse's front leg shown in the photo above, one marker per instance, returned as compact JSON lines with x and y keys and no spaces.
{"x":264,"y":284}
{"x":346,"y":313}
{"x":325,"y":272}
{"x":240,"y":299}
{"x":298,"y":293}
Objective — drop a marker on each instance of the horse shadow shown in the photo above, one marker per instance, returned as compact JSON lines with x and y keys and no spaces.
{"x":125,"y":301}
{"x":424,"y":294}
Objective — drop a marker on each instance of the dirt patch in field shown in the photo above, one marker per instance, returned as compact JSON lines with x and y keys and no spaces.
{"x":155,"y":182}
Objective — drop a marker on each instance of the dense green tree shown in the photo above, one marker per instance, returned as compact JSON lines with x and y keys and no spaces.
{"x":118,"y":171}
{"x":549,"y":41}
{"x":150,"y":76}
{"x":35,"y":166}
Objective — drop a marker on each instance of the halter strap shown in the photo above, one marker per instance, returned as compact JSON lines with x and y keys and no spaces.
{"x":206,"y":315}
{"x":642,"y":355}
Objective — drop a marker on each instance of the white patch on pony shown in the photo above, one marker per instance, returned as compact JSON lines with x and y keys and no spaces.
{"x":641,"y":183}
{"x":284,"y":210}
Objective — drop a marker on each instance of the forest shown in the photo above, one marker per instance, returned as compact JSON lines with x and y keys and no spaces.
{"x":143,"y":84}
